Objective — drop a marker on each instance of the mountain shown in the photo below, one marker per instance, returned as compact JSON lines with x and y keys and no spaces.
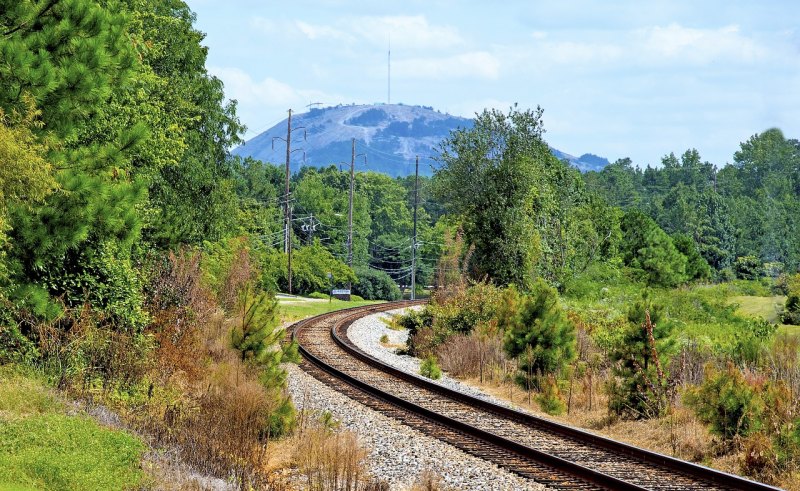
{"x":390,"y":135}
{"x":585,"y":163}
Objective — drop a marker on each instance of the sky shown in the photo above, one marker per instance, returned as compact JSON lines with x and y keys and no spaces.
{"x":615,"y":78}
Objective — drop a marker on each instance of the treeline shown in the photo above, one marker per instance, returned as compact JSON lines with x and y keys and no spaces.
{"x":382,"y":227}
{"x":742,"y":217}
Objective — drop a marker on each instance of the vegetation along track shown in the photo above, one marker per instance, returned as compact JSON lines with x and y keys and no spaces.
{"x":558,"y":456}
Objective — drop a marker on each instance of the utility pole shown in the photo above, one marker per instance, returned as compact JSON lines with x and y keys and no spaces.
{"x":414,"y":241}
{"x":288,"y":208}
{"x":350,"y":209}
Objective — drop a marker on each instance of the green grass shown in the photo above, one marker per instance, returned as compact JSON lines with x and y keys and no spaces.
{"x":765,"y":307}
{"x":42,"y":447}
{"x":300,"y":309}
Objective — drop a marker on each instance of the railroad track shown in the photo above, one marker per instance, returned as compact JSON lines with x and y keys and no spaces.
{"x":558,"y":456}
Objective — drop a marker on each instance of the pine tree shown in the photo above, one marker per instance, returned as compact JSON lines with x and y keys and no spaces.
{"x":650,"y":251}
{"x":537,"y":331}
{"x":67,"y":58}
{"x":641,"y":388}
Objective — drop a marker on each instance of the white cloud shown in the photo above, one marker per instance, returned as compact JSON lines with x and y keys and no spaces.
{"x":699,"y":45}
{"x":406,"y":32}
{"x":672,"y":45}
{"x":571,"y":52}
{"x":476,"y":64}
{"x":269,"y":96}
{"x":314,"y":32}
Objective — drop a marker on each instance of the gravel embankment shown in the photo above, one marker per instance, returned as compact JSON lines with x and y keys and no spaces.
{"x":397,"y":453}
{"x":366,"y":334}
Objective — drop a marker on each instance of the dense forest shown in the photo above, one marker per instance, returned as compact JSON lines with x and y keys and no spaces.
{"x":139,"y":259}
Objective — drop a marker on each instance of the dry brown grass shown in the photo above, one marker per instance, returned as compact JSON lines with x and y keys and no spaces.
{"x":428,"y":480}
{"x":331,"y":461}
{"x":473,"y":355}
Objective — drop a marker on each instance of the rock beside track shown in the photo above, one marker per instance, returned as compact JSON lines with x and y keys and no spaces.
{"x":399,"y":454}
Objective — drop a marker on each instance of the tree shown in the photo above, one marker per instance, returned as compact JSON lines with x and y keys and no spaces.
{"x":537,"y":331}
{"x":728,"y":403}
{"x":487,"y":175}
{"x":190,"y":177}
{"x":258,"y":332}
{"x":791,"y":312}
{"x":67,"y":58}
{"x":25,"y":175}
{"x":696,"y":267}
{"x":649,"y":251}
{"x":641,"y":388}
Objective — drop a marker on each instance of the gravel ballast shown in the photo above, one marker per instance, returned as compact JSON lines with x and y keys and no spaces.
{"x":399,"y":454}
{"x":366,"y":334}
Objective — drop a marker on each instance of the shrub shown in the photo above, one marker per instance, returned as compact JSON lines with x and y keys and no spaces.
{"x":550,"y":399}
{"x":356,"y":298}
{"x":319,"y":295}
{"x":537,"y":331}
{"x":640,"y":388}
{"x":430,"y":368}
{"x":226,"y":269}
{"x":727,"y":402}
{"x":747,"y":267}
{"x":375,"y":285}
{"x":464,"y":355}
{"x":385,"y":339}
{"x":791,"y":313}
{"x":330,"y":460}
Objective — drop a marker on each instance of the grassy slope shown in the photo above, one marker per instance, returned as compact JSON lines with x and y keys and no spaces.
{"x":43,"y":447}
{"x":293,"y":310}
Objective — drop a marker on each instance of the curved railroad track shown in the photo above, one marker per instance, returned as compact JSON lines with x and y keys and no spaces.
{"x":558,"y":456}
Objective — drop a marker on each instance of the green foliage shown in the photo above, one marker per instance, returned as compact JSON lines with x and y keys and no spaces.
{"x":375,"y":285}
{"x":487,"y":176}
{"x":537,"y":331}
{"x":550,"y":399}
{"x":749,"y":208}
{"x":430,"y":368}
{"x":257,"y":333}
{"x":791,"y":313}
{"x":696,"y":267}
{"x":310,"y":267}
{"x":641,"y":388}
{"x":728,"y":403}
{"x":649,"y":251}
{"x":14,"y":346}
{"x":68,"y":56}
{"x":747,"y":267}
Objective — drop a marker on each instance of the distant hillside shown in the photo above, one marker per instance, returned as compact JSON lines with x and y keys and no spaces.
{"x":391,"y":135}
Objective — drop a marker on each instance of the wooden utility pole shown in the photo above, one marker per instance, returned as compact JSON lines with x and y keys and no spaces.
{"x":414,"y":241}
{"x":288,"y":208}
{"x":350,"y":209}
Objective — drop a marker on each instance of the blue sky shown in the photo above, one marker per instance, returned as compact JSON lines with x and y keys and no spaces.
{"x":615,"y":78}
